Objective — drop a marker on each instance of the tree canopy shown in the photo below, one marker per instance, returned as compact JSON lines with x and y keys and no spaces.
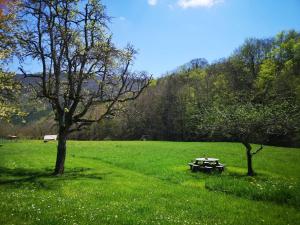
{"x":9,"y":87}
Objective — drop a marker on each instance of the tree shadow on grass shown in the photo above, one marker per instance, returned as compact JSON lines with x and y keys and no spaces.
{"x":43,"y":178}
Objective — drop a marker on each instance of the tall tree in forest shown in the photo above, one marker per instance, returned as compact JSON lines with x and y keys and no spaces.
{"x":81,"y":68}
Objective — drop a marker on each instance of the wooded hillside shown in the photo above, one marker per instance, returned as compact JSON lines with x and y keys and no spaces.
{"x":261,"y":78}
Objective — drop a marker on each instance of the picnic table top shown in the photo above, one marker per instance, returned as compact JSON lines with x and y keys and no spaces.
{"x":207,"y":159}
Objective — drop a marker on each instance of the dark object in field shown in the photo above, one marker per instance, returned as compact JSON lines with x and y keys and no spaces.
{"x":206,"y":165}
{"x":194,"y":167}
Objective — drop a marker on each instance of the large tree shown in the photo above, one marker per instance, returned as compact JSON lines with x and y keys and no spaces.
{"x":81,"y":69}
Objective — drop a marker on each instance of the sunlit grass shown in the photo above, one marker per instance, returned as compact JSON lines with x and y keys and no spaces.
{"x":146,"y":183}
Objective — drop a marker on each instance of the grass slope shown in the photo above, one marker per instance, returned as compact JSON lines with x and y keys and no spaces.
{"x":146,"y":183}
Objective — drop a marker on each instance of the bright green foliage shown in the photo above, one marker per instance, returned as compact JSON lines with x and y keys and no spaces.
{"x":9,"y":89}
{"x":7,"y":23}
{"x":259,"y":98}
{"x":146,"y":183}
{"x":267,"y":73}
{"x":280,"y":72}
{"x":250,"y":122}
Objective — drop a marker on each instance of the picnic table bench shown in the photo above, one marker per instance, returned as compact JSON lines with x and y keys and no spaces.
{"x":206,"y":165}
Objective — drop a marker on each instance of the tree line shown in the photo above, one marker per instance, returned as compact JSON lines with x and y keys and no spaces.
{"x":177,"y":106}
{"x":256,"y":91}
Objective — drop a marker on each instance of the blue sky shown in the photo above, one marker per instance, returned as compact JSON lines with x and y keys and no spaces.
{"x":169,"y":33}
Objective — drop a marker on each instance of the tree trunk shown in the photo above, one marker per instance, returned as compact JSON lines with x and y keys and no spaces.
{"x":249,"y":158}
{"x":61,"y":152}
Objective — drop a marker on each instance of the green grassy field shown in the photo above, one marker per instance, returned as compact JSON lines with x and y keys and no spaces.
{"x":146,"y":183}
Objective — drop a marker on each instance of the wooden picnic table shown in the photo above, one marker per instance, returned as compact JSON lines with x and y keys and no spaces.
{"x":206,"y":165}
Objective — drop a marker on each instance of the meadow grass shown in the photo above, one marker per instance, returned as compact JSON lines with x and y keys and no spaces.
{"x":131,"y":182}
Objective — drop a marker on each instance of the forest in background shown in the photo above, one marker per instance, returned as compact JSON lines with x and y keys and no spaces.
{"x":261,"y":75}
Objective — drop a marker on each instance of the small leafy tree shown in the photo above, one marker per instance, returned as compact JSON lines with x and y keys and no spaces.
{"x":250,"y":123}
{"x":81,"y":69}
{"x":9,"y":87}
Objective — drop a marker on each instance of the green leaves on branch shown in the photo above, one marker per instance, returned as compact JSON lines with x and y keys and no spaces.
{"x":250,"y":121}
{"x":9,"y":89}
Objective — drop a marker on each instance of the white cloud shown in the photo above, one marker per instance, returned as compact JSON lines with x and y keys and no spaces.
{"x":152,"y":2}
{"x":197,"y":3}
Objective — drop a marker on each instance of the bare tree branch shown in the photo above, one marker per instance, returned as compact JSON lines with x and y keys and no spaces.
{"x":258,"y":150}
